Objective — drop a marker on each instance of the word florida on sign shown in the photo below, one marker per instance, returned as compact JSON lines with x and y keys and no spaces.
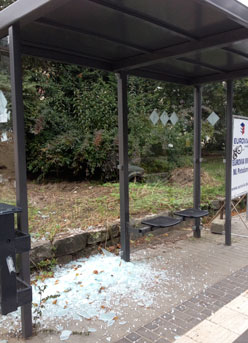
{"x":240,"y":157}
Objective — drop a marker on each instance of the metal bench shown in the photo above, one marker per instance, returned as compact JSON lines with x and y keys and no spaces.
{"x":155,"y":224}
{"x":191,"y":213}
{"x":163,"y":221}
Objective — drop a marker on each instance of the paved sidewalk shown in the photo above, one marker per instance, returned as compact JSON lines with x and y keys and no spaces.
{"x":203,"y":276}
{"x":225,"y":305}
{"x":218,"y":314}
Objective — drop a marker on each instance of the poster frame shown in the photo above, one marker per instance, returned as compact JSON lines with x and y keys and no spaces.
{"x":233,"y":118}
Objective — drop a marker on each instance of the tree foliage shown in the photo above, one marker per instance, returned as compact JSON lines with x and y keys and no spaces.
{"x":5,"y":3}
{"x":72,"y":126}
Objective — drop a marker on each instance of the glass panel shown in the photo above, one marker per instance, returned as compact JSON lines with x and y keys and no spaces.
{"x":7,"y":170}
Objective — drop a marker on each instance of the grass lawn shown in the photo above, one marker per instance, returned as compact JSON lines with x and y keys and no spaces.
{"x":61,"y":206}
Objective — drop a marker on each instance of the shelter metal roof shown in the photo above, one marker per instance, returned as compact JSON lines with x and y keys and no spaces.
{"x":182,"y":41}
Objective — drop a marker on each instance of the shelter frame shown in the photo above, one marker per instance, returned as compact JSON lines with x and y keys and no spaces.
{"x":20,"y":161}
{"x":19,"y":15}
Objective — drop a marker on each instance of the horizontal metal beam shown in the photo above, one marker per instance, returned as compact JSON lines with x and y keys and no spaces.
{"x":215,"y":41}
{"x":68,"y":56}
{"x":146,"y":18}
{"x":64,"y":56}
{"x":159,"y":76}
{"x":201,"y":64}
{"x":233,"y":9}
{"x":25,"y":11}
{"x":236,"y":74}
{"x":62,"y":27}
{"x":236,"y":52}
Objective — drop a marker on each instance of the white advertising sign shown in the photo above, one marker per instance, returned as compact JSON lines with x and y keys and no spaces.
{"x":240,"y":157}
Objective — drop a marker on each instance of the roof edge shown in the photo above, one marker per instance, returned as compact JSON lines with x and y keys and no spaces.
{"x":25,"y":11}
{"x":234,"y":10}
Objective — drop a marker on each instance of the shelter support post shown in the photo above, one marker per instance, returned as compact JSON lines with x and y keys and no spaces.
{"x":229,"y":138}
{"x":197,"y":156}
{"x":20,"y":161}
{"x":123,"y":165}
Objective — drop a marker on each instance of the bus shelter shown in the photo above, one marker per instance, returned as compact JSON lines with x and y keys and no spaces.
{"x":185,"y":42}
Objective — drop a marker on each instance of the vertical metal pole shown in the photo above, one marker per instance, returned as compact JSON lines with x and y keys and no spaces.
{"x":123,"y":165}
{"x":197,"y":155}
{"x":229,"y":138}
{"x":20,"y":160}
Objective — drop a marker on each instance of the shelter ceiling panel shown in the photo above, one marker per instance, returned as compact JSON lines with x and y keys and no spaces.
{"x":192,"y":17}
{"x":239,"y":48}
{"x":181,"y":68}
{"x":35,"y":35}
{"x":89,"y":16}
{"x":220,"y":58}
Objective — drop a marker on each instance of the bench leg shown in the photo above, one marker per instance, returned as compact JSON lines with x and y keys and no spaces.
{"x":197,"y":228}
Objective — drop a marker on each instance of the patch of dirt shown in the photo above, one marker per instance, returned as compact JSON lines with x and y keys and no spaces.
{"x":59,"y":207}
{"x":185,"y":177}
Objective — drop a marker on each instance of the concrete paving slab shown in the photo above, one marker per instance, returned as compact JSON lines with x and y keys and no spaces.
{"x":235,"y":321}
{"x":207,"y":332}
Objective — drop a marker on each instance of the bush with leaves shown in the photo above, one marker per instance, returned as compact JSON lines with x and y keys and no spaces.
{"x":72,"y":127}
{"x":72,"y":123}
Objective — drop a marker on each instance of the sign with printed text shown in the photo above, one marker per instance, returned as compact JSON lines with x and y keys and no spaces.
{"x":240,"y":157}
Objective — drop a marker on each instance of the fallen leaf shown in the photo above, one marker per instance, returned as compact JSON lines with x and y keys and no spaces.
{"x":115,"y":318}
{"x":55,"y":302}
{"x":95,"y":272}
